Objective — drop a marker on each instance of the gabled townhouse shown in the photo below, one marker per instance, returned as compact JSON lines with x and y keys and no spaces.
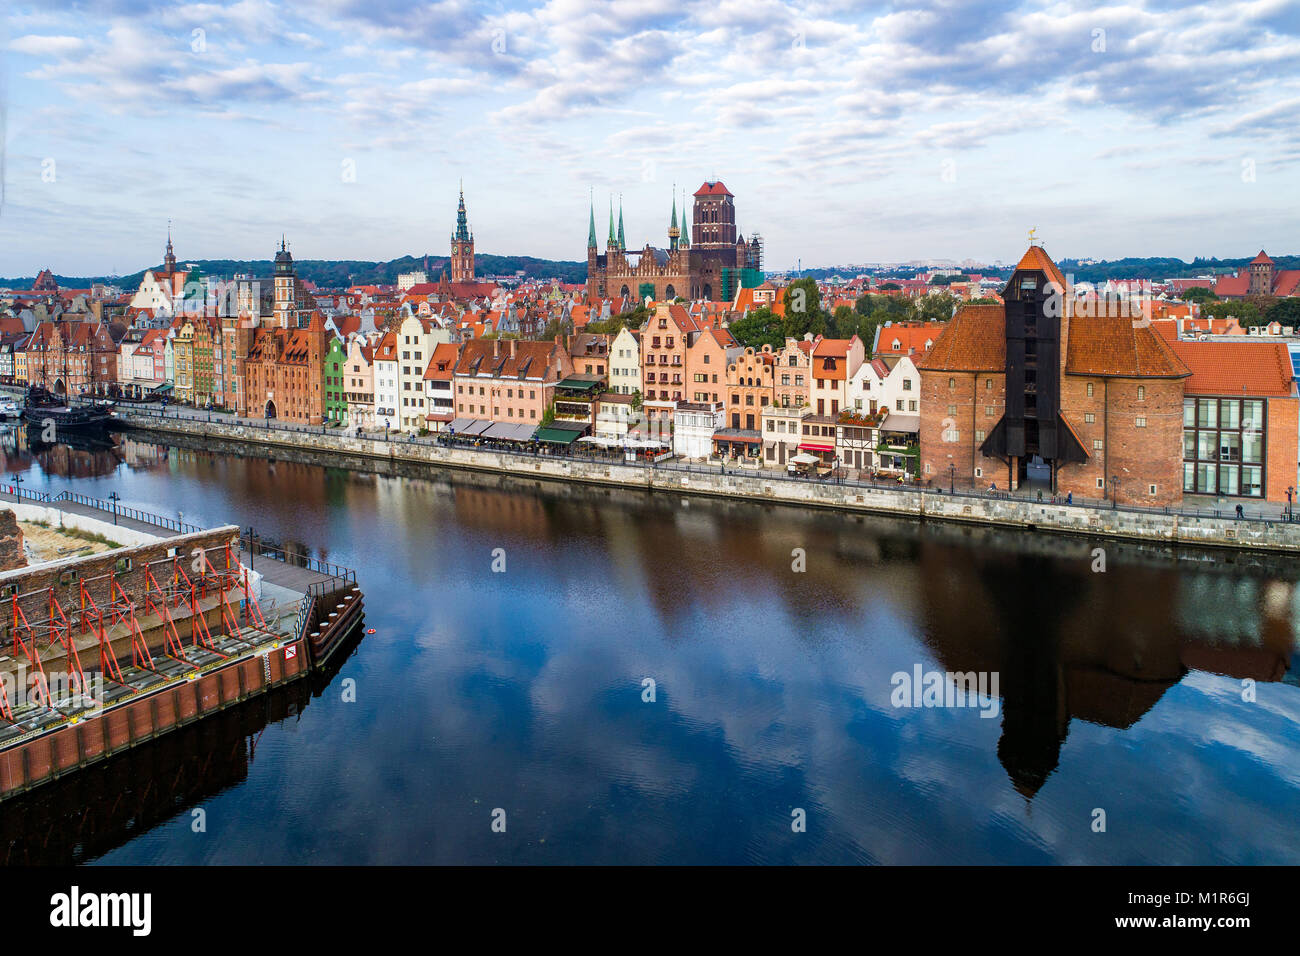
{"x":893,"y":340}
{"x":665,"y":340}
{"x":793,"y":372}
{"x":509,"y":381}
{"x":834,"y":362}
{"x":416,"y":340}
{"x":707,"y":357}
{"x":625,"y":362}
{"x":439,"y":386}
{"x":335,"y":371}
{"x":387,"y":366}
{"x":359,"y":382}
{"x":590,"y":354}
{"x":750,"y":380}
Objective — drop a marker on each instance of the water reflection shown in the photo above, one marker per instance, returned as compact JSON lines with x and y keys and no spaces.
{"x":523,"y":689}
{"x":74,"y":454}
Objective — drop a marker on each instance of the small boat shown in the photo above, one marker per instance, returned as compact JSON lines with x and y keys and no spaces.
{"x":43,"y":407}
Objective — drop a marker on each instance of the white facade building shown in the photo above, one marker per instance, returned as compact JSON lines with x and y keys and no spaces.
{"x":625,"y":363}
{"x":693,"y":426}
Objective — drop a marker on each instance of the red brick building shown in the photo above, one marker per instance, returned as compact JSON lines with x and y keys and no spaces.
{"x":283,"y":372}
{"x":72,"y":357}
{"x":1240,"y":419}
{"x":1036,"y":390}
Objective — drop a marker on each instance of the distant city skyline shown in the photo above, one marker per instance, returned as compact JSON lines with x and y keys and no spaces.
{"x":848,"y":134}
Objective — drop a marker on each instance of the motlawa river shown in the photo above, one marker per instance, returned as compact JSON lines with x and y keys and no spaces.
{"x":621,"y":677}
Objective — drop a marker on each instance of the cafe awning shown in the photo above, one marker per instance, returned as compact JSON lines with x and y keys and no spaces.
{"x":508,"y":431}
{"x":579,"y":384}
{"x":740,"y":435}
{"x":901,"y":423}
{"x":557,"y":435}
{"x":809,"y":446}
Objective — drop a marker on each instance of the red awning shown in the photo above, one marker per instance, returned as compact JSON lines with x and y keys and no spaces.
{"x":808,"y":446}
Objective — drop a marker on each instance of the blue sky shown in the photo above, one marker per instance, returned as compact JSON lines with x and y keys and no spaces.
{"x":849,"y":132}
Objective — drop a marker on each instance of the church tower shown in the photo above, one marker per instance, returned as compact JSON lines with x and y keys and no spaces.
{"x":169,"y":258}
{"x":286,"y":289}
{"x":462,"y":245}
{"x":1261,"y":274}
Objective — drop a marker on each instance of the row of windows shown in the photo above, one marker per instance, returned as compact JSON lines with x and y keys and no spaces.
{"x":1219,"y":479}
{"x":496,"y":411}
{"x":510,"y":392}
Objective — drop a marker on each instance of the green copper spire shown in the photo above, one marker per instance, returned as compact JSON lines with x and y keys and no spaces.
{"x":462,"y":223}
{"x":591,"y":229}
{"x":611,"y":242}
{"x":622,"y":243}
{"x":673,"y":232}
{"x":686,"y":233}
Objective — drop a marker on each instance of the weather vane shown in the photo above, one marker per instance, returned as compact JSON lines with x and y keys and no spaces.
{"x":1033,"y":235}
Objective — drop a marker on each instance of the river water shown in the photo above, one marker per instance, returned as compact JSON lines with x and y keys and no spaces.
{"x":631,"y":678}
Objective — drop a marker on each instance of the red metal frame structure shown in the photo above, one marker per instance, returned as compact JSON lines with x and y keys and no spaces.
{"x":92,"y":617}
{"x":200,"y":634}
{"x":107,"y":659}
{"x":30,"y":649}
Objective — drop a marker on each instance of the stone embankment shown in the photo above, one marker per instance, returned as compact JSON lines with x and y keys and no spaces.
{"x":1167,"y":527}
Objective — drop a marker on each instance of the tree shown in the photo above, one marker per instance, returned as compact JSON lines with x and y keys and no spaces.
{"x":760,"y":327}
{"x":1284,"y":311}
{"x":803,"y":309}
{"x":554,"y":327}
{"x":1246,"y":313}
{"x":636,"y":400}
{"x":935,"y":307}
{"x":1199,"y":293}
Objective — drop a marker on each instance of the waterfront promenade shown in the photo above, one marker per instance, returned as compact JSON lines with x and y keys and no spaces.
{"x":1264,"y":528}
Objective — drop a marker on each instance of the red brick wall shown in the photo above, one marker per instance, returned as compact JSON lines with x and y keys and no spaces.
{"x":1283,"y":417}
{"x":972,"y":399}
{"x":1139,"y":455}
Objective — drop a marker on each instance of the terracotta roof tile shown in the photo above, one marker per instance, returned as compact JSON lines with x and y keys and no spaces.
{"x":1111,"y":346}
{"x":973,"y":340}
{"x":1226,"y":368}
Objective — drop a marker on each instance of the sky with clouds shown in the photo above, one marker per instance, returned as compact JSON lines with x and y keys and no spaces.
{"x":849,"y":131}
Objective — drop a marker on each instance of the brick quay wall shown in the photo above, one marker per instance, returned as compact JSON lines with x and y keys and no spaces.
{"x":936,"y":505}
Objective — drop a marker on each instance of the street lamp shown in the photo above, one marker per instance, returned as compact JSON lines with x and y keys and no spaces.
{"x":1114,"y":492}
{"x":252,"y":549}
{"x":952,"y":478}
{"x":114,"y":497}
{"x":1290,"y":495}
{"x":18,"y":491}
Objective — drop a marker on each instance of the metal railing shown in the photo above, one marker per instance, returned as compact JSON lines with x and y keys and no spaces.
{"x":18,"y":492}
{"x":305,"y":608}
{"x":135,"y":514}
{"x":262,"y":549}
{"x":616,"y":456}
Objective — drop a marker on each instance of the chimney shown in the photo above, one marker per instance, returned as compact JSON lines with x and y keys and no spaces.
{"x":496,"y":348}
{"x":513,"y":343}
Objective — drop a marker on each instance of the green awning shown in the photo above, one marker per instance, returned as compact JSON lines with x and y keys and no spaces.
{"x":560,"y":436}
{"x":165,"y":387}
{"x":579,"y":384}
